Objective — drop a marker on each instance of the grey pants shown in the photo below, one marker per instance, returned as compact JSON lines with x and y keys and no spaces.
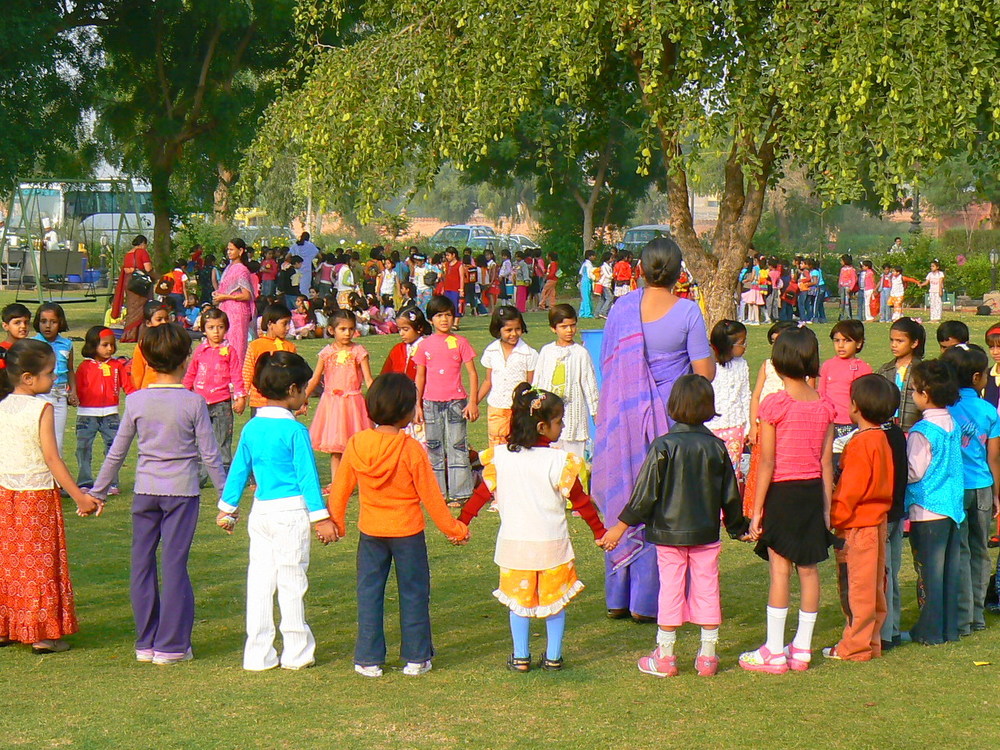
{"x":974,"y":561}
{"x":221,"y":415}
{"x":893,"y":600}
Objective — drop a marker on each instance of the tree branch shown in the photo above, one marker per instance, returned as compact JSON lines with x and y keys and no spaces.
{"x":161,"y":71}
{"x":199,"y":95}
{"x":602,"y":172}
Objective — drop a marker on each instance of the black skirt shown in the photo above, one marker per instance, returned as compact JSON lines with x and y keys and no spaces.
{"x":793,"y":524}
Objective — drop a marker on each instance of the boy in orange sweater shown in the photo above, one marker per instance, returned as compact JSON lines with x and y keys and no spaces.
{"x":394,"y":477}
{"x":274,"y":322}
{"x":859,"y":516}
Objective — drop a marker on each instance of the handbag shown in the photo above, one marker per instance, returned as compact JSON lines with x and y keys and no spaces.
{"x":140,"y":283}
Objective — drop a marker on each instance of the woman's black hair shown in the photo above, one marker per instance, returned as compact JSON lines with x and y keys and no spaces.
{"x":342,"y":314}
{"x":692,"y":400}
{"x":852,"y":330}
{"x":780,"y":327}
{"x":51,"y":307}
{"x":26,"y":356}
{"x":165,"y":347}
{"x":214,"y":313}
{"x":503,"y":315}
{"x":92,"y":340}
{"x":439,"y":304}
{"x":239,"y":244}
{"x":875,"y":397}
{"x":152,"y":307}
{"x":276,"y":372}
{"x":561,"y":312}
{"x":723,"y":338}
{"x":391,"y":399}
{"x":968,"y":360}
{"x":914,"y":332}
{"x":272,"y":314}
{"x":415,"y":318}
{"x":795,"y":354}
{"x":661,"y":262}
{"x":937,"y":379}
{"x":531,"y":406}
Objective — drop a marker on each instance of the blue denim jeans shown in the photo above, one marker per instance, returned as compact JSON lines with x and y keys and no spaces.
{"x":87,"y":429}
{"x":819,"y":306}
{"x":893,"y":599}
{"x":413,"y":578}
{"x":885,"y":312}
{"x":267,"y":287}
{"x":846,"y":304}
{"x":937,"y":549}
{"x":974,"y":533}
{"x":448,"y":447}
{"x":805,"y":306}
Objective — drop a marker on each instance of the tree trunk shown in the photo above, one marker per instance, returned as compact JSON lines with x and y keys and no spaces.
{"x":223,"y":194}
{"x":588,"y":227}
{"x":159,"y":181}
{"x":995,"y":215}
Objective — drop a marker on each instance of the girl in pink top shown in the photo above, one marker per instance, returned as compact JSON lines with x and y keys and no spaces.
{"x":836,"y":376}
{"x":791,"y":509}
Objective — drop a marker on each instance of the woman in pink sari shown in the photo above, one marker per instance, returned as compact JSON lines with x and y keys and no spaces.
{"x":235,"y":296}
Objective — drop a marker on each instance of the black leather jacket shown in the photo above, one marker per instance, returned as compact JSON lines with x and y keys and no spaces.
{"x":685,"y":482}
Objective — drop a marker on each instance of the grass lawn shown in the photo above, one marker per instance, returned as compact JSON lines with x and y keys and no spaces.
{"x":97,"y":696}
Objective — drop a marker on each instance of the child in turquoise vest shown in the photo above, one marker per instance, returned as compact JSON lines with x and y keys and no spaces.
{"x":934,"y":500}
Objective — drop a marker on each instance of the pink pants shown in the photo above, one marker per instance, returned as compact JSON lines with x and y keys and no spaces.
{"x":689,"y":585}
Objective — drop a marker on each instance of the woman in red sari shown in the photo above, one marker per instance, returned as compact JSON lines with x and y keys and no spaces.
{"x":135,"y":259}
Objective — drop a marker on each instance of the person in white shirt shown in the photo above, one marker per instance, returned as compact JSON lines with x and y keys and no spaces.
{"x":732,"y":389}
{"x":509,"y":361}
{"x":606,"y":283}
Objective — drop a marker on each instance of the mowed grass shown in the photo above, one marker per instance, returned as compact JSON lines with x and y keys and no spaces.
{"x":97,"y":696}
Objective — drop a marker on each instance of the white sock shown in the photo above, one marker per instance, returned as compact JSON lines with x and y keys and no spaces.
{"x":709,"y":638}
{"x":776,"y":629}
{"x":804,"y":634}
{"x":666,"y":639}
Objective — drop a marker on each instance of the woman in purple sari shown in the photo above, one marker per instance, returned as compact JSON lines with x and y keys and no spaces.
{"x":652,"y":337}
{"x":235,"y":296}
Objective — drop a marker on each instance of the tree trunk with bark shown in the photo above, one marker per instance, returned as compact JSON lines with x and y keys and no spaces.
{"x":223,"y":209}
{"x":589,"y":203}
{"x":995,"y":215}
{"x":159,"y":181}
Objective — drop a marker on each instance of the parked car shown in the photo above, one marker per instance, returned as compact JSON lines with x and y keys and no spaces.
{"x":460,"y":236}
{"x":637,"y":237}
{"x":515,"y":242}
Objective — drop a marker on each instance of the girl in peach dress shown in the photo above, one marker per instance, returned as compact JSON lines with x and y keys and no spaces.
{"x":343,"y":366}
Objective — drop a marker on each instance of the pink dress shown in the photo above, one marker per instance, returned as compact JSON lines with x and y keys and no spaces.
{"x":341,"y":411}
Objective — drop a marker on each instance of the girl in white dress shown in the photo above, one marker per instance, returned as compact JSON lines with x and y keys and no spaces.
{"x":935,"y":289}
{"x":732,"y":389}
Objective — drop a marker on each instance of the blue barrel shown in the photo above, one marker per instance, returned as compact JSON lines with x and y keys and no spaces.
{"x":592,"y":340}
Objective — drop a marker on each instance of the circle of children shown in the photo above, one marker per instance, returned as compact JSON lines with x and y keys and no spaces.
{"x":831,"y":465}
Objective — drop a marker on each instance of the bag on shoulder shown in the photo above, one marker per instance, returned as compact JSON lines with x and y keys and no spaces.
{"x":140,"y":283}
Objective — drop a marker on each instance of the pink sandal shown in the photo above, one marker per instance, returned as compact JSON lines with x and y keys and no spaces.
{"x":762,"y":660}
{"x":792,"y":654}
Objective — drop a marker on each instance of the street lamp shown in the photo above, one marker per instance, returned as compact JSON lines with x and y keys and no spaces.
{"x":994,"y":261}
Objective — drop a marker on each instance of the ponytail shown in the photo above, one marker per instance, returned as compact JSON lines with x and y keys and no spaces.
{"x":530,"y":406}
{"x":26,"y":356}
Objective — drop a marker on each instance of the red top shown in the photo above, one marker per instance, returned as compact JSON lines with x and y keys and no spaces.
{"x":399,"y":361}
{"x":863,"y":495}
{"x":99,"y":383}
{"x":136,"y":258}
{"x":269,"y":270}
{"x":551,"y":271}
{"x":800,"y":430}
{"x":215,"y":373}
{"x":453,"y":277}
{"x":4,"y":347}
{"x":835,"y":378}
{"x":623,"y":271}
{"x":178,"y":277}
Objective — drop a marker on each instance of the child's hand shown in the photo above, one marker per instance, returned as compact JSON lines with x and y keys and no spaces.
{"x":326,"y":531}
{"x":459,"y":541}
{"x":755,"y":527}
{"x":90,"y":506}
{"x":240,"y":404}
{"x":72,"y":399}
{"x":302,"y":410}
{"x":752,"y":437}
{"x":226,"y":521}
{"x":418,"y":414}
{"x":471,"y":412}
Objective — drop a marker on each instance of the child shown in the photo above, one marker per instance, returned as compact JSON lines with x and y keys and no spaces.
{"x":731,"y":387}
{"x":268,"y":274}
{"x":100,"y":378}
{"x":935,"y":289}
{"x":274,"y":324}
{"x":836,"y":376}
{"x":49,"y":324}
{"x":412,"y":329}
{"x":394,"y":478}
{"x":979,"y":425}
{"x":565,"y":368}
{"x":907,"y":340}
{"x":934,"y":501}
{"x":303,"y":319}
{"x":866,"y":284}
{"x":178,"y":280}
{"x":767,"y":383}
{"x":685,"y":484}
{"x":792,"y":499}
{"x":885,"y":290}
{"x":897,"y":291}
{"x":16,"y":319}
{"x":192,"y":312}
{"x":387,"y":282}
{"x":154,"y":314}
{"x":173,"y":431}
{"x":847,"y":283}
{"x":215,"y":374}
{"x":992,"y":392}
{"x":952,"y":333}
{"x":532,"y":480}
{"x":548,"y":297}
{"x":513,"y":362}
{"x":342,"y":366}
{"x":275,"y":448}
{"x":443,"y":404}
{"x":858,"y":514}
{"x":36,"y":596}
{"x":287,"y":289}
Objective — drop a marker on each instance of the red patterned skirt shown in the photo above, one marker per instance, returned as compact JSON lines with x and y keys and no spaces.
{"x":36,"y":596}
{"x":751,"y":486}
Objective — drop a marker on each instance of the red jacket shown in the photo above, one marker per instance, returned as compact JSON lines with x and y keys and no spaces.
{"x":98,"y":385}
{"x":399,"y":361}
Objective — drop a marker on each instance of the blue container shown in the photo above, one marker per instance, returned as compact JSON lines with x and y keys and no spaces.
{"x":592,"y":340}
{"x":74,"y":278}
{"x":91,"y":277}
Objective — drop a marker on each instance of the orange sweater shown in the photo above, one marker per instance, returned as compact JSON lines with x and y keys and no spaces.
{"x":142,"y":373}
{"x":394,"y":477}
{"x":254,"y":350}
{"x":863,"y":496}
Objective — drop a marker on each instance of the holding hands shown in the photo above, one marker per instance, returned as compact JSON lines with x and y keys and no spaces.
{"x":612,"y":536}
{"x":227,"y":521}
{"x":326,"y":531}
{"x":90,"y":506}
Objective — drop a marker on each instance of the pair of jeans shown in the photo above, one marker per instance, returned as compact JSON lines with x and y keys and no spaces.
{"x":290,"y":300}
{"x":974,"y":534}
{"x":607,"y":300}
{"x":221,"y":416}
{"x":772,"y":306}
{"x":267,"y":287}
{"x":58,"y":396}
{"x":937,"y":549}
{"x":846,"y":304}
{"x":413,"y":579}
{"x":819,"y":305}
{"x":805,"y":306}
{"x":885,"y":312}
{"x":448,"y":447}
{"x":893,"y":563}
{"x":87,"y":430}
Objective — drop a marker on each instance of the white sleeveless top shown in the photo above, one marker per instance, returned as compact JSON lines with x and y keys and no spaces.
{"x":25,"y":467}
{"x":772,"y":381}
{"x":531,"y":487}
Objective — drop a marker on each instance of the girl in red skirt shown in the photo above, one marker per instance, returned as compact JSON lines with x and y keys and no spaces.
{"x":36,"y":596}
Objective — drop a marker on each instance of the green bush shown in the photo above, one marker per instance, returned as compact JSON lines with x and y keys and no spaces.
{"x":213,"y":238}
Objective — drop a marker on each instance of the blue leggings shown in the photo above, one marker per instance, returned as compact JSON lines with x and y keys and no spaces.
{"x":520,"y":629}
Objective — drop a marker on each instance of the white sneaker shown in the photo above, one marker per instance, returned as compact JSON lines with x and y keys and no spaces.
{"x":301,"y":666}
{"x":373,"y":671}
{"x":416,"y":668}
{"x":144,"y":655}
{"x":170,"y":660}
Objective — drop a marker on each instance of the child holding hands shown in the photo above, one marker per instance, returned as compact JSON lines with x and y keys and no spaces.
{"x":508,"y":361}
{"x":685,"y":483}
{"x":394,"y":478}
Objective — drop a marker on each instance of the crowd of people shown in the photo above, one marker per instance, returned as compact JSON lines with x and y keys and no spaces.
{"x":839,"y":456}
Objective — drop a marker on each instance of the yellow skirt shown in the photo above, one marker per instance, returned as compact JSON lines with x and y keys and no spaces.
{"x":538,"y":593}
{"x":498,"y":425}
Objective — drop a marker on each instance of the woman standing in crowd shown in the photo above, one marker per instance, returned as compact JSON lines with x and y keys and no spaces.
{"x":235,"y":295}
{"x":128,"y":294}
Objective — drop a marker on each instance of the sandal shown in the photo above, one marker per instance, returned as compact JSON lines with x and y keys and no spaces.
{"x":618,"y":614}
{"x":7,"y":642}
{"x":50,"y":647}
{"x":515,"y":664}
{"x":551,"y":665}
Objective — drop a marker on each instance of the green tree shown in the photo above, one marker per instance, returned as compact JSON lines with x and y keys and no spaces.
{"x":851,"y":88}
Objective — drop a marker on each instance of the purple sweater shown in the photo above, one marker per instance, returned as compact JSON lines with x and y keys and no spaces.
{"x":174,"y":434}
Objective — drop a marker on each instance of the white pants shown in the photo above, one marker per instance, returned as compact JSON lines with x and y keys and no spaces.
{"x":279,"y":558}
{"x":60,"y":410}
{"x":868,"y":306}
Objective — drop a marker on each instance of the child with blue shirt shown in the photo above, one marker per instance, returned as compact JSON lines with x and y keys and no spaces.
{"x":50,"y":323}
{"x":979,"y":424}
{"x":277,"y":449}
{"x":935,"y":500}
